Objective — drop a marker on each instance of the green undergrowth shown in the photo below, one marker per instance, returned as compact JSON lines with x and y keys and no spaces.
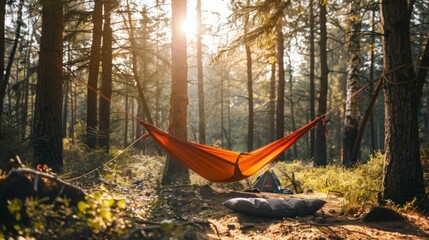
{"x":359,"y":186}
{"x":127,"y":186}
{"x":96,"y":217}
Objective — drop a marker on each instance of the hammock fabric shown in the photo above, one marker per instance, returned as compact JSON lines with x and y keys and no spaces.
{"x":220,"y":165}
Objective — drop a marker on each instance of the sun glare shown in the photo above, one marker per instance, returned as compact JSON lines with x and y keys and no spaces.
{"x":189,"y":26}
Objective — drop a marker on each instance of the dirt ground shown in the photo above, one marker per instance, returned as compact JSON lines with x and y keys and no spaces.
{"x":203,"y":204}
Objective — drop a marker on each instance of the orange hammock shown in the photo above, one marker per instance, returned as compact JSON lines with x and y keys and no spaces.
{"x":224,"y":166}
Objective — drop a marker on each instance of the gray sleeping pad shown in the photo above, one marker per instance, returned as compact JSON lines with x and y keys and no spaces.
{"x":275,"y":208}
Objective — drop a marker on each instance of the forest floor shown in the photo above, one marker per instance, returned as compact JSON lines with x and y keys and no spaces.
{"x":200,"y":213}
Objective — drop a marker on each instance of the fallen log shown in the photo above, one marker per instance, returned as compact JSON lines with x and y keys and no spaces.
{"x":23,"y":183}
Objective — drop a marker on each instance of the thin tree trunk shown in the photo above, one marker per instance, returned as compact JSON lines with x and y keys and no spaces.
{"x":250,"y":123}
{"x":67,"y":95}
{"x":134,"y":124}
{"x":139,"y":128}
{"x":352,"y":114}
{"x":25,"y":111}
{"x":201,"y":104}
{"x":65,"y":106}
{"x":106,"y":80}
{"x":371,"y":80}
{"x":93,"y":72}
{"x":5,"y":81}
{"x":422,"y":72}
{"x":312,"y":88}
{"x":320,"y":155}
{"x":222,"y":101}
{"x":2,"y":47}
{"x":73,"y":112}
{"x":292,"y":106}
{"x":280,"y":115}
{"x":47,"y":133}
{"x":272,"y":104}
{"x":18,"y":97}
{"x":228,"y":113}
{"x":157,"y":90}
{"x":403,"y":174}
{"x":127,"y":109}
{"x":137,"y":79}
{"x":367,"y":116}
{"x":174,"y":171}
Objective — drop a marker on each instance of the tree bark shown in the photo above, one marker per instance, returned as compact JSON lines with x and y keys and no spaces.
{"x":93,"y":72}
{"x":368,"y":114}
{"x":351,"y":122}
{"x":127,"y":109}
{"x":2,"y":47}
{"x":201,"y":104}
{"x":137,"y":79}
{"x":320,"y":156}
{"x":66,"y":94}
{"x":312,"y":68}
{"x":5,"y":79}
{"x":25,"y":112}
{"x":371,"y":80}
{"x":272,"y":104}
{"x":106,"y":80}
{"x":47,"y":133}
{"x":73,"y":113}
{"x":250,"y":123}
{"x":174,"y":171}
{"x":280,"y":115}
{"x":222,"y":114}
{"x":403,"y":175}
{"x":292,"y":106}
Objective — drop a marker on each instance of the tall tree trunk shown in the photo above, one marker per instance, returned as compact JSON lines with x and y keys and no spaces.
{"x":93,"y":72}
{"x":280,"y":115}
{"x":73,"y":112}
{"x":5,"y":79}
{"x":403,"y":175}
{"x":106,"y":80}
{"x":201,"y":104}
{"x":222,"y":104}
{"x":47,"y":133}
{"x":272,"y":104}
{"x":368,"y":114}
{"x":138,"y":131}
{"x":25,"y":110}
{"x":371,"y":80}
{"x":127,"y":109}
{"x":2,"y":47}
{"x":352,"y":114}
{"x":228,"y":113}
{"x":250,"y":122}
{"x":292,"y":106}
{"x":174,"y":171}
{"x":136,"y":74}
{"x":312,"y":87}
{"x":320,"y":156}
{"x":66,"y":98}
{"x":67,"y":93}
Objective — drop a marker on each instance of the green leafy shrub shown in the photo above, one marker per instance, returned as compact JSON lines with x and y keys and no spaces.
{"x":98,"y":217}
